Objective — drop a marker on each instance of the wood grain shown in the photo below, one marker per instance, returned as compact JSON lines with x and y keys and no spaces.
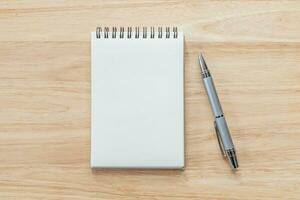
{"x":252,"y":48}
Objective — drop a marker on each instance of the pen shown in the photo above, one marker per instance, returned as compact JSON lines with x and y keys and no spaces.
{"x":222,"y":131}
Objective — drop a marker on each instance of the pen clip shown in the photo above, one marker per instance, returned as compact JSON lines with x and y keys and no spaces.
{"x":220,"y":140}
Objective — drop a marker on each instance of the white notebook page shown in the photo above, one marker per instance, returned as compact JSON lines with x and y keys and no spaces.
{"x":137,"y":102}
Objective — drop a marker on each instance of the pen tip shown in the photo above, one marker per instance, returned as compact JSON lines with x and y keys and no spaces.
{"x":201,"y":55}
{"x":202,"y":63}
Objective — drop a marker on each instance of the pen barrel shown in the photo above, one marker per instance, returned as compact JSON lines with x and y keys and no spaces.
{"x":212,"y":96}
{"x":224,"y":133}
{"x":218,"y":113}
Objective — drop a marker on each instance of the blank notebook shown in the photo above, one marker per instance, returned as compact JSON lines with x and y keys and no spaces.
{"x":137,"y":98}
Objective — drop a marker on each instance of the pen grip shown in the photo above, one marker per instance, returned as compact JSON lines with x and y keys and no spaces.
{"x":224,"y":133}
{"x":212,"y":96}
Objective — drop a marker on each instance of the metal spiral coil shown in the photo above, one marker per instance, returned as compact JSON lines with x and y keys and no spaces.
{"x":137,"y":32}
{"x":175,"y":32}
{"x":129,"y":33}
{"x":106,"y":31}
{"x":168,"y":32}
{"x":98,"y":32}
{"x":144,"y":32}
{"x":122,"y":32}
{"x":152,"y":32}
{"x":114,"y":32}
{"x":159,"y":32}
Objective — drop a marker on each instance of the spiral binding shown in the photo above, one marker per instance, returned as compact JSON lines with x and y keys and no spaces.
{"x":129,"y":33}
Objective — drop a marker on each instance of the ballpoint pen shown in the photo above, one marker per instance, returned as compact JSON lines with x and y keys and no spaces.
{"x":222,"y":131}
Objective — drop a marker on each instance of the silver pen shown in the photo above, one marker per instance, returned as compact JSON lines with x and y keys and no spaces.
{"x":222,"y":131}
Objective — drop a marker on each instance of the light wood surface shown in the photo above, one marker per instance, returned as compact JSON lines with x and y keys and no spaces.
{"x":252,"y":49}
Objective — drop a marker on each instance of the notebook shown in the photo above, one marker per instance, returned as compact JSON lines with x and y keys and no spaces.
{"x":137,"y":81}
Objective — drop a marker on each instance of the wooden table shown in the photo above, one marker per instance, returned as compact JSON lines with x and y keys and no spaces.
{"x":252,"y":49}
